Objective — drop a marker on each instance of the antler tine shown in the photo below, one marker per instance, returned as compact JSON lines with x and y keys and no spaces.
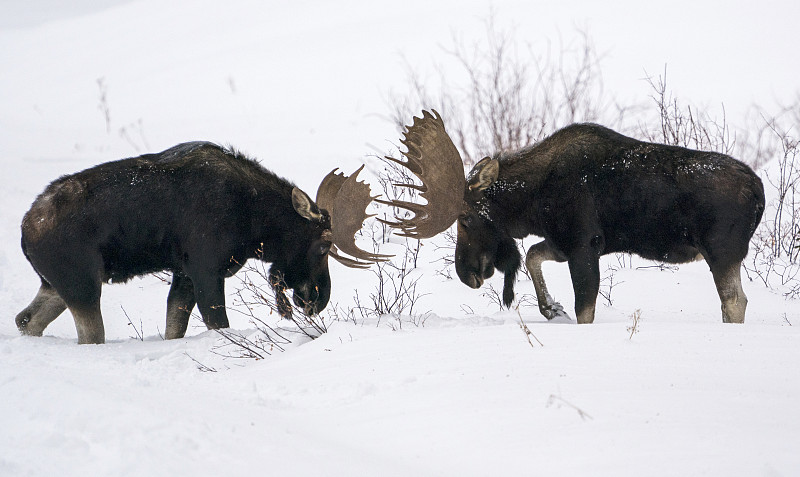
{"x":413,"y":166}
{"x":400,"y":225}
{"x":434,"y":159}
{"x":347,"y":208}
{"x":420,"y":188}
{"x":418,"y":209}
{"x":420,"y":213}
{"x":348,"y":262}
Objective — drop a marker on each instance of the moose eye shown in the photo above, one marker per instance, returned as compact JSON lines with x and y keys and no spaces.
{"x":324,"y":248}
{"x":468,"y":221}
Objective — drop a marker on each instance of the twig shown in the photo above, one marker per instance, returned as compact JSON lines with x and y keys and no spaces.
{"x":553,"y":399}
{"x":527,"y":331}
{"x":634,"y":328}
{"x":202,"y":367}
{"x":102,"y":102}
{"x":130,"y":323}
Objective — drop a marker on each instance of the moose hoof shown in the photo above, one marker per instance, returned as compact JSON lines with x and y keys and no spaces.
{"x":554,"y":310}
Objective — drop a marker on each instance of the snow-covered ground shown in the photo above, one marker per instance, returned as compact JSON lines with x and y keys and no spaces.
{"x":302,"y":86}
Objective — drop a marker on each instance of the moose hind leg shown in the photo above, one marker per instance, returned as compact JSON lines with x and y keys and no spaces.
{"x":180,"y":303}
{"x":728,"y":280}
{"x":89,"y":324}
{"x":45,"y":307}
{"x":542,"y":252}
{"x":82,"y":297}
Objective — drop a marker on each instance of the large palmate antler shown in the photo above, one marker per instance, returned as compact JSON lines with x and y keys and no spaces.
{"x":434,"y":159}
{"x":346,"y":200}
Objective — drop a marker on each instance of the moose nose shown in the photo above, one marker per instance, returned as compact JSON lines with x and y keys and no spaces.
{"x":307,"y":298}
{"x":311,"y":307}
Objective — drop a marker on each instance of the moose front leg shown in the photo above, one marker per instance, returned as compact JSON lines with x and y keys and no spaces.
{"x":542,"y":252}
{"x":584,"y":269}
{"x":210,"y":294}
{"x":180,"y":303}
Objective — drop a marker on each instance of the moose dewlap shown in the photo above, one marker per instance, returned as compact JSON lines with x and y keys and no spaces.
{"x":197,"y":210}
{"x":588,"y":191}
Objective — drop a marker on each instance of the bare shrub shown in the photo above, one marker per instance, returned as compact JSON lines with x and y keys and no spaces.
{"x":502,"y":97}
{"x":255,"y":297}
{"x":494,"y":296}
{"x":607,"y":284}
{"x":768,"y":131}
{"x":775,"y":248}
{"x":685,"y":126}
{"x":258,"y":297}
{"x":395,"y":293}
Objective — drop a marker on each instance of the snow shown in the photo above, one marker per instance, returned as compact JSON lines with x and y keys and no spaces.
{"x":303,"y":87}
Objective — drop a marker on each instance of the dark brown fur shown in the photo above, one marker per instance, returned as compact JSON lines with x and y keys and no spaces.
{"x":196,"y":210}
{"x":589,"y":191}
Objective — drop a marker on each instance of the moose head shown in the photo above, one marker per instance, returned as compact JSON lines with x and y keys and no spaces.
{"x":335,"y":217}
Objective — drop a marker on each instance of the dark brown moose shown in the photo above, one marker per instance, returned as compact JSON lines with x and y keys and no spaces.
{"x":588,"y":191}
{"x":197,"y":210}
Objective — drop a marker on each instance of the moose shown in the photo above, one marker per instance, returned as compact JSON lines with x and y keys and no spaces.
{"x":197,"y":210}
{"x":588,"y":191}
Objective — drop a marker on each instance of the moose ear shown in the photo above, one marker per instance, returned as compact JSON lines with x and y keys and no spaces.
{"x":304,"y":206}
{"x":484,"y":174}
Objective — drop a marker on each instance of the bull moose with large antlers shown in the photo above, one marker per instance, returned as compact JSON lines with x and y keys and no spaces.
{"x":588,"y":191}
{"x":197,"y":210}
